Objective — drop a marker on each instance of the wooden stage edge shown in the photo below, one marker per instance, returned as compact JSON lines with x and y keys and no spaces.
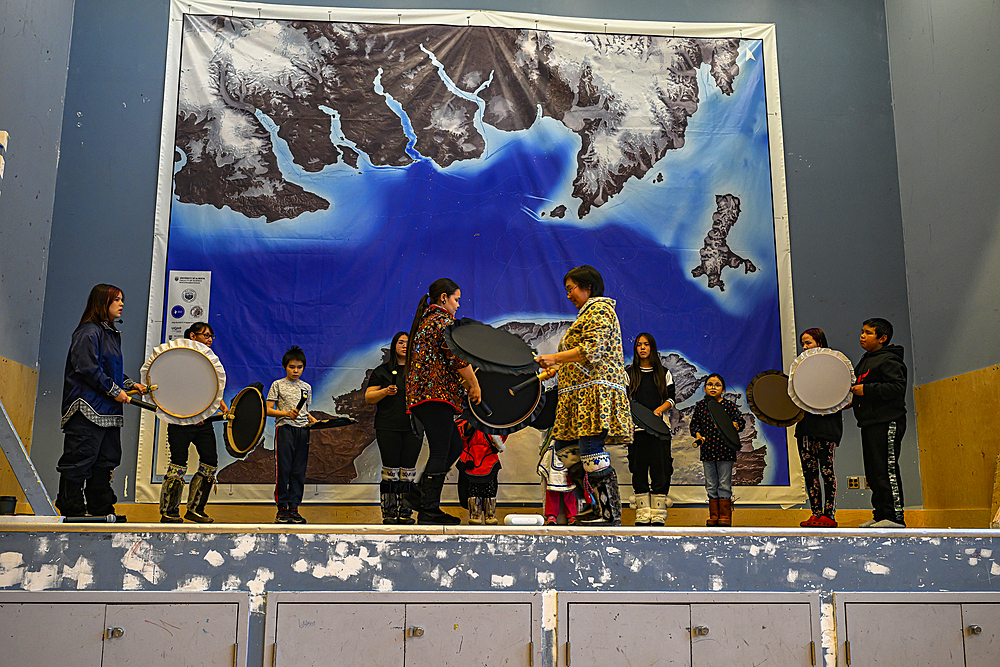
{"x":329,"y":518}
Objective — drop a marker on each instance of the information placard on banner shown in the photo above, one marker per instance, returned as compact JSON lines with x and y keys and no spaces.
{"x":187,"y":301}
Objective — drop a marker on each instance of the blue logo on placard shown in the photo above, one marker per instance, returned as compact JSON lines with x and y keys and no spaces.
{"x":177,"y":312}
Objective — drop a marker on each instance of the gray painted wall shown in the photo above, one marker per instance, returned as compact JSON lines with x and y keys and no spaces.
{"x":946,"y":90}
{"x":845,"y":225}
{"x":34,"y":54}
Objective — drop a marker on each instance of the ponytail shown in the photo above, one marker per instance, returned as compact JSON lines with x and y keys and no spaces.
{"x":421,"y":308}
{"x":445,"y":286}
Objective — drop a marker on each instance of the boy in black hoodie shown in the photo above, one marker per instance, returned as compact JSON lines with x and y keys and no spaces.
{"x":880,"y":408}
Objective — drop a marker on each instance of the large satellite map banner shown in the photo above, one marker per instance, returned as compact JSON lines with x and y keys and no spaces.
{"x":324,"y":166}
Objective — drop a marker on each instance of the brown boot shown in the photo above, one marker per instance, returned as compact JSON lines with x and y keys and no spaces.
{"x":725,"y":511}
{"x":713,"y":512}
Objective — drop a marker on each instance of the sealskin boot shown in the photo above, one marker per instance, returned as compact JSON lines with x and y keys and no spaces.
{"x":430,"y":501}
{"x":170,"y":500}
{"x":198,"y":492}
{"x":658,"y":511}
{"x":725,"y":511}
{"x":388,"y":502}
{"x":475,"y":511}
{"x":643,"y":515}
{"x":713,"y":512}
{"x":607,"y":508}
{"x":490,"y":511}
{"x":404,"y":515}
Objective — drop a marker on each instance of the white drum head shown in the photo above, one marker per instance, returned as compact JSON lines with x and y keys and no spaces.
{"x":190,"y":380}
{"x":820,"y":381}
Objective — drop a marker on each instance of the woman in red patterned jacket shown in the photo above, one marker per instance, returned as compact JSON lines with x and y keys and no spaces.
{"x":434,"y":394}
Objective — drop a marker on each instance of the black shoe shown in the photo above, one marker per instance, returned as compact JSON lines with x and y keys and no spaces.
{"x":437,"y":518}
{"x":70,"y":501}
{"x":430,"y":499}
{"x":411,"y":498}
{"x":101,"y":497}
{"x":295,"y":517}
{"x":284,"y":516}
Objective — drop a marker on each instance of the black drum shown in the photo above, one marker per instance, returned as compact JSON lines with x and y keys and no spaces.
{"x":508,"y":413}
{"x":243,"y":432}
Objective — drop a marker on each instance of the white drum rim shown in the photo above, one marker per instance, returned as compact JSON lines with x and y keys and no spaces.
{"x":220,"y":372}
{"x":825,"y":351}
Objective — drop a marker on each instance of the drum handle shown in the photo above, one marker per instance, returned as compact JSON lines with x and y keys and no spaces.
{"x":141,"y":404}
{"x":539,"y":376}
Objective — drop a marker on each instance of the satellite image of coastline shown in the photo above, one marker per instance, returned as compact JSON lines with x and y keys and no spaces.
{"x":327,"y":172}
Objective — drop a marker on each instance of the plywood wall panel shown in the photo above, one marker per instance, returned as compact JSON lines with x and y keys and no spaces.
{"x":18,"y":384}
{"x":959,"y":439}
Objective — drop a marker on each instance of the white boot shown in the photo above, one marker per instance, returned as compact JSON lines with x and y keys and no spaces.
{"x":642,"y":514}
{"x":658,"y":512}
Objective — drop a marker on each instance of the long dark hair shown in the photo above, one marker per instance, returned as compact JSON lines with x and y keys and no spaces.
{"x":98,"y":304}
{"x":392,"y":348}
{"x":659,"y":372}
{"x":445,"y":286}
{"x":817,"y":335}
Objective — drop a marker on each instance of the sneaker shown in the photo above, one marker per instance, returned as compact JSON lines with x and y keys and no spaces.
{"x":550,"y":521}
{"x":888,"y":523}
{"x":868,"y":524}
{"x":295,"y":517}
{"x":811,"y":522}
{"x":284,"y":516}
{"x":824,"y":521}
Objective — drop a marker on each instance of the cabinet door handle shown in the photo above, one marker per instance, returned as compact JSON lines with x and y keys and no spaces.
{"x":974,"y":630}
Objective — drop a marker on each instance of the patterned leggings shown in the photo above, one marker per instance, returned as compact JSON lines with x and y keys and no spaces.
{"x":817,"y":459}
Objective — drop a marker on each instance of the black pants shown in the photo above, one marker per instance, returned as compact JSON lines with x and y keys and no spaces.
{"x":650,"y":459}
{"x":291,"y":451}
{"x":88,"y":447}
{"x":399,"y":449}
{"x":443,"y":440}
{"x":880,"y":445}
{"x":180,"y":438}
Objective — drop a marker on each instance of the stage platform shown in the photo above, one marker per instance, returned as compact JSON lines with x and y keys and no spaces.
{"x":551,"y":570}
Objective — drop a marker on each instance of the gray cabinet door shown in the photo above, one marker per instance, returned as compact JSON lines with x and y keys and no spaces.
{"x":42,"y":635}
{"x":333,"y":634}
{"x":983,"y":646}
{"x":178,"y":635}
{"x":459,"y":635}
{"x":770,"y":634}
{"x":628,"y":634}
{"x":905,"y":634}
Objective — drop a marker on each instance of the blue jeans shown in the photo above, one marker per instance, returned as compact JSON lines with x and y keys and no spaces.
{"x":718,"y":478}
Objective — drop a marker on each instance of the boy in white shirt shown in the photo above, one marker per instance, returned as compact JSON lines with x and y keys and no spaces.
{"x":288,"y":402}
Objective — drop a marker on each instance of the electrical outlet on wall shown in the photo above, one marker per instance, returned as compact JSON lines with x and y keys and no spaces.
{"x":854,"y":482}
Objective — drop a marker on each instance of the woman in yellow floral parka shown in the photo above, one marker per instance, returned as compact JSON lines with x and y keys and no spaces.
{"x":593,"y":408}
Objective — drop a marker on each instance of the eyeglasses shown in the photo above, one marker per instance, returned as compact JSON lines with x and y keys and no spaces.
{"x":205,"y":334}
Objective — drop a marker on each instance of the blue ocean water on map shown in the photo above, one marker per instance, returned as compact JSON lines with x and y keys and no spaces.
{"x":340,"y":282}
